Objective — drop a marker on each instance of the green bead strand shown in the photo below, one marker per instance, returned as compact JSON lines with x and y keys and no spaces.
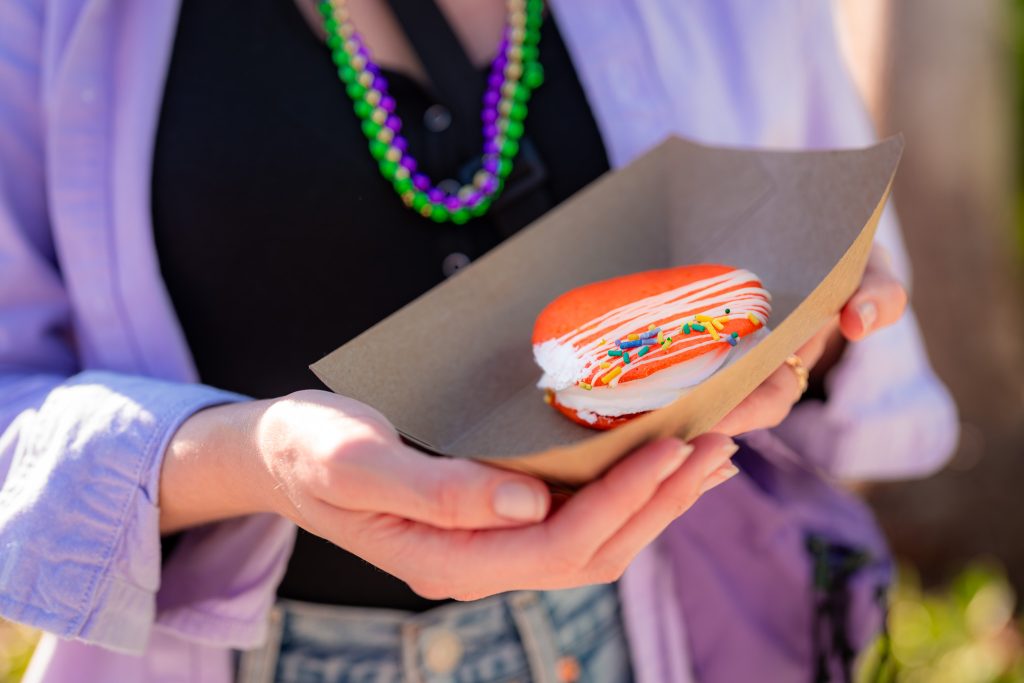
{"x":481,"y":208}
{"x":370,"y":129}
{"x":439,"y":214}
{"x":363,"y":109}
{"x":533,"y":75}
{"x":345,"y":72}
{"x":518,"y":111}
{"x":378,"y":149}
{"x":509,"y":148}
{"x":388,"y":169}
{"x":402,"y":185}
{"x":522,"y":76}
{"x":420,"y":200}
{"x":514,"y":130}
{"x":355,"y":90}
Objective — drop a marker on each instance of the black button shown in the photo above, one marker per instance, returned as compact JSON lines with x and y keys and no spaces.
{"x":453,"y":263}
{"x":437,"y":118}
{"x":450,"y":185}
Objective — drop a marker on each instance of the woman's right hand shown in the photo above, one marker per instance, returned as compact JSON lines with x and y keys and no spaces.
{"x":447,"y":527}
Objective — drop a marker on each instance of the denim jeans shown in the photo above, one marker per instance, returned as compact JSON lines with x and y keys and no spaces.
{"x":520,"y":637}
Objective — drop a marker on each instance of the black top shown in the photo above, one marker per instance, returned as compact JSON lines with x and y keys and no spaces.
{"x":268,"y":211}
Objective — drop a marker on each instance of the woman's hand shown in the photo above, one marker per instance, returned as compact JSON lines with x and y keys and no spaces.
{"x":879,"y":301}
{"x":449,"y":528}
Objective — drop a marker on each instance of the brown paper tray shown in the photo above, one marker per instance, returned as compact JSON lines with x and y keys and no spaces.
{"x":454,"y":369}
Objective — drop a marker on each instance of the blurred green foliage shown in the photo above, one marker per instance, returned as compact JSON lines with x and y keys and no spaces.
{"x":966,"y":633}
{"x":16,"y":643}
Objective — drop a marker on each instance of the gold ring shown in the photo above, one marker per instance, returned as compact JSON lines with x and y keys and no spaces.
{"x":803,"y":376}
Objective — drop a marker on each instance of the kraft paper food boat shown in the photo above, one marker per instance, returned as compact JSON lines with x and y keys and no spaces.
{"x":454,"y":369}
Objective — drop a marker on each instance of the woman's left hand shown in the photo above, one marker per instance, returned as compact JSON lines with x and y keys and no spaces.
{"x":879,"y":301}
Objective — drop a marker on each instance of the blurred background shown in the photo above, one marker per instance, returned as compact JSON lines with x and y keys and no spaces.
{"x":946,"y":73}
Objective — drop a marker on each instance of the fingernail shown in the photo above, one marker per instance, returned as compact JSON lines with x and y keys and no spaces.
{"x":868,"y":313}
{"x":518,"y":502}
{"x":719,"y":476}
{"x":721,"y":457}
{"x":675,"y":462}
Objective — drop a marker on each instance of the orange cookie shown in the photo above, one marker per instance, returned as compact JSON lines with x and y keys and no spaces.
{"x":615,"y":349}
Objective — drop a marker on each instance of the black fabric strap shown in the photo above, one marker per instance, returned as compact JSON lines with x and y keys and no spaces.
{"x":454,"y":80}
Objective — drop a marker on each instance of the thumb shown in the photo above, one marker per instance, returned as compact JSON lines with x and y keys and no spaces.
{"x":451,"y":493}
{"x":879,"y":301}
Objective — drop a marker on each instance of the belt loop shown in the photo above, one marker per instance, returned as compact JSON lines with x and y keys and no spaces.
{"x":410,"y":652}
{"x":537,"y":634}
{"x":260,"y":665}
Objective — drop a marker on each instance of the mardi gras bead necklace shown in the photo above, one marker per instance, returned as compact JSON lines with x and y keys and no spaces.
{"x":515,"y":74}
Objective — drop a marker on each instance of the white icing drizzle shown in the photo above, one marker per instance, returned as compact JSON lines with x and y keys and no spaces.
{"x":576,"y":356}
{"x":658,"y":389}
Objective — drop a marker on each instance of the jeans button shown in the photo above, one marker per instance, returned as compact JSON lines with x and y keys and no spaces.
{"x":568,"y":670}
{"x":437,"y":118}
{"x":442,"y":651}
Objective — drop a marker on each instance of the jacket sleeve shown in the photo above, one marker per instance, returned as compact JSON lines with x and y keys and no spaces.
{"x":80,"y":452}
{"x":887,"y":415}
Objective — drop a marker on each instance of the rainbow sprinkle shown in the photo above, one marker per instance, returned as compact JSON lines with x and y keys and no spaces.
{"x":609,"y":376}
{"x":643,"y":342}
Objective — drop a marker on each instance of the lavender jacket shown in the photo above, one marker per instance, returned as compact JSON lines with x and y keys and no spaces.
{"x":95,"y":374}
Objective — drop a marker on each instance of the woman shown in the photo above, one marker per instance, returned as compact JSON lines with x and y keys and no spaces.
{"x":177,"y":180}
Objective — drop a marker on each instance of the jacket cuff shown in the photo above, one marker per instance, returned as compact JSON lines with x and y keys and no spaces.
{"x":79,"y":524}
{"x":221,"y":581}
{"x":887,"y":415}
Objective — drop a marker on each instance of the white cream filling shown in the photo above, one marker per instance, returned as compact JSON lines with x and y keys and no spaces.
{"x":561,"y":364}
